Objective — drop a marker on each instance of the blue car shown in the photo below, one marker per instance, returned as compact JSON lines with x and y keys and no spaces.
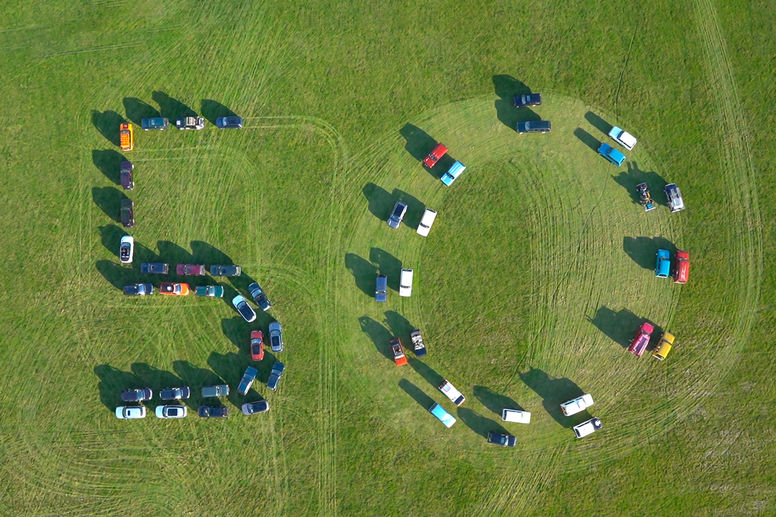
{"x":233,"y":122}
{"x":381,"y":288}
{"x":611,"y":154}
{"x":663,"y":266}
{"x":452,"y":173}
{"x":155,"y":123}
{"x":247,"y":380}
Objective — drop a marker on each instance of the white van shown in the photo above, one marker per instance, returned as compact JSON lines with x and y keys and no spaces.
{"x":587,"y":427}
{"x":576,"y":405}
{"x":426,"y":221}
{"x":451,"y":393}
{"x":515,"y":415}
{"x":405,"y":282}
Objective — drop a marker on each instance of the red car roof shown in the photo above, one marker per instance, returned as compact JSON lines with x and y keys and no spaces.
{"x":682,"y":269}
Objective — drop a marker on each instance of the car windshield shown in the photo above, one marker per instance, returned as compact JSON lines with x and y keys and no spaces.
{"x":397,"y":210}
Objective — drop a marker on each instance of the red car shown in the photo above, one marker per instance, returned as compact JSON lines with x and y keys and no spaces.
{"x":190,"y":269}
{"x":174,"y":288}
{"x":439,"y":151}
{"x":257,"y":345}
{"x":398,"y":352}
{"x":640,"y":342}
{"x":681,"y":267}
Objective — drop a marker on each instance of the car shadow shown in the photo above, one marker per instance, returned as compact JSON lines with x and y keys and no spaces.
{"x":107,"y":123}
{"x":618,"y":326}
{"x":137,"y":110}
{"x":109,"y":201}
{"x":380,"y":201}
{"x":110,"y":236}
{"x":171,"y":108}
{"x":399,"y":326}
{"x":388,"y":265}
{"x":416,"y":394}
{"x":235,"y":329}
{"x":204,"y":253}
{"x":108,"y":162}
{"x":634,"y":175}
{"x":112,"y":382}
{"x":379,"y":335}
{"x":429,"y":374}
{"x":212,"y":110}
{"x":643,"y":250}
{"x":598,"y":123}
{"x":364,"y":273}
{"x":174,"y":254}
{"x":587,"y":139}
{"x":196,"y":378}
{"x":506,"y":87}
{"x":478,"y":423}
{"x":143,"y":254}
{"x":118,"y":276}
{"x":417,"y":142}
{"x":414,"y":208}
{"x":230,"y":367}
{"x":495,"y":401}
{"x":553,"y":391}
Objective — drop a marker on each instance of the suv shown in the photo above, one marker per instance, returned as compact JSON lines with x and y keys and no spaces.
{"x":433,"y":157}
{"x":233,"y":122}
{"x":674,"y":196}
{"x":138,"y":289}
{"x":381,"y":288}
{"x":156,"y":123}
{"x":533,"y":126}
{"x":127,"y":213}
{"x":663,"y":264}
{"x":276,"y":336}
{"x":219,"y":390}
{"x":641,"y":340}
{"x":611,"y":154}
{"x":248,"y":377}
{"x":622,"y":137}
{"x":397,"y":214}
{"x":274,"y":376}
{"x":257,"y":293}
{"x":527,"y":99}
{"x":125,"y":175}
{"x":505,"y":440}
{"x":180,"y":393}
{"x":137,"y":394}
{"x":190,"y":123}
{"x":126,"y":137}
{"x":157,"y":268}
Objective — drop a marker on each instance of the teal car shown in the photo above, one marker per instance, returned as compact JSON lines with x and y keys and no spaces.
{"x":663,"y":266}
{"x":154,"y":123}
{"x":611,"y":154}
{"x":213,"y":291}
{"x":443,"y":416}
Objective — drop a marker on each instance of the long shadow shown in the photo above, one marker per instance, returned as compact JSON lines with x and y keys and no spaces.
{"x":414,"y":208}
{"x":634,"y":175}
{"x":235,"y":329}
{"x":399,"y":326}
{"x":506,"y":87}
{"x":416,"y":393}
{"x":429,"y":374}
{"x":494,"y":401}
{"x":116,"y":275}
{"x":158,"y":379}
{"x":108,"y":161}
{"x":478,"y":423}
{"x":137,"y":110}
{"x":111,"y":235}
{"x":418,"y":142}
{"x":598,"y":123}
{"x":380,"y":201}
{"x":587,"y":139}
{"x":212,"y":110}
{"x":112,"y":382}
{"x":363,"y":272}
{"x":388,"y":265}
{"x":618,"y":326}
{"x":195,"y":378}
{"x":643,"y":250}
{"x":379,"y":335}
{"x":107,"y":123}
{"x":108,"y":199}
{"x":204,"y":253}
{"x":170,"y":107}
{"x":143,"y":254}
{"x":553,"y":391}
{"x":230,"y":367}
{"x":174,"y":253}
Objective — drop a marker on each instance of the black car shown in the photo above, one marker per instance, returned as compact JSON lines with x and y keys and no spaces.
{"x":137,"y":394}
{"x":225,"y":270}
{"x":158,"y":268}
{"x":213,"y":411}
{"x":178,"y":393}
{"x":250,"y":408}
{"x":125,"y":175}
{"x":257,"y":293}
{"x":138,"y":289}
{"x":274,"y":377}
{"x":505,"y":440}
{"x":527,"y":99}
{"x":233,"y":122}
{"x":533,"y":126}
{"x":248,"y":377}
{"x":127,"y":213}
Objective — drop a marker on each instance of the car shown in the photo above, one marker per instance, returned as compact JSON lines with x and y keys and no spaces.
{"x":173,"y":411}
{"x":245,"y":310}
{"x":127,"y":213}
{"x":381,"y":288}
{"x":212,"y":291}
{"x":250,"y":408}
{"x":195,"y":123}
{"x":452,"y":173}
{"x":154,"y":268}
{"x":257,"y":345}
{"x":225,"y":270}
{"x":258,"y":295}
{"x":442,"y":415}
{"x":426,"y":220}
{"x":641,"y":339}
{"x":126,"y":249}
{"x":663,"y":264}
{"x":622,"y":137}
{"x":450,"y":392}
{"x":516,"y":415}
{"x":587,"y":427}
{"x":137,"y":394}
{"x":190,"y":270}
{"x":503,"y":439}
{"x":126,"y":136}
{"x":433,"y":157}
{"x":405,"y":282}
{"x":398,"y":352}
{"x":174,"y":288}
{"x":681,"y":270}
{"x":130,"y":412}
{"x":276,"y":336}
{"x":213,"y":411}
{"x":533,"y":126}
{"x":674,"y":197}
{"x":397,"y":214}
{"x":418,"y":346}
{"x":611,"y":154}
{"x":126,"y":178}
{"x":275,"y":375}
{"x":138,"y":289}
{"x":232,"y":122}
{"x":247,"y":380}
{"x":527,"y":99}
{"x":664,"y":346}
{"x":155,"y":123}
{"x":576,"y":405}
{"x":219,"y":390}
{"x":645,"y":197}
{"x":178,"y":393}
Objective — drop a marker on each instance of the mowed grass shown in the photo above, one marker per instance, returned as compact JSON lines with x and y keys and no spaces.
{"x":536,"y":272}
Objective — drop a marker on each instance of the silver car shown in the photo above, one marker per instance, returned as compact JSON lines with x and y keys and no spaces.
{"x":397,"y":214}
{"x":276,"y":336}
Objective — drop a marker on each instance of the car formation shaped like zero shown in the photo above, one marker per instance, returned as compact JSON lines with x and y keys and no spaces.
{"x":674,"y":197}
{"x":177,"y":393}
{"x":251,"y":408}
{"x":533,"y":126}
{"x":213,"y":411}
{"x":452,"y":173}
{"x":611,"y":154}
{"x":156,"y":268}
{"x":130,"y":412}
{"x":137,"y":394}
{"x":381,"y":288}
{"x":663,"y":264}
{"x":247,"y":380}
{"x":275,"y":375}
{"x":398,"y":352}
{"x":418,"y":346}
{"x":622,"y":137}
{"x":138,"y":289}
{"x":126,"y":136}
{"x":154,"y":123}
{"x":173,"y":411}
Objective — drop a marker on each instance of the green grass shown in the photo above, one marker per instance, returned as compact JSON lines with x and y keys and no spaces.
{"x":536,"y":272}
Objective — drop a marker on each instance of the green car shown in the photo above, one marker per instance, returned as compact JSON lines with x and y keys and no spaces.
{"x":214,"y":291}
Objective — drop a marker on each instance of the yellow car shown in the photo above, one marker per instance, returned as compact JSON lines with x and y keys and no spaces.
{"x":126,"y":136}
{"x":666,"y":342}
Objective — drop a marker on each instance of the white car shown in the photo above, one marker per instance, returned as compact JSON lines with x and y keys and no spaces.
{"x":405,"y":282}
{"x":130,"y":412}
{"x":450,"y":392}
{"x":574,"y":406}
{"x":426,"y":221}
{"x":171,"y":411}
{"x":516,"y":415}
{"x":127,"y":249}
{"x":622,"y":137}
{"x":587,"y":427}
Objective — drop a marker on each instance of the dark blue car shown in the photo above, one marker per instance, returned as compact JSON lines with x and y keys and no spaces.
{"x":138,"y":289}
{"x":233,"y":122}
{"x":381,"y":288}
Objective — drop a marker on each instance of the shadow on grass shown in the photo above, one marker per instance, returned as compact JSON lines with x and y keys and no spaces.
{"x":418,"y":142}
{"x":108,"y":162}
{"x":414,"y":208}
{"x":506,"y":87}
{"x":137,"y":110}
{"x":553,"y":393}
{"x":107,"y":123}
{"x":364,"y":273}
{"x":416,"y":393}
{"x":380,"y":201}
{"x":399,"y":326}
{"x":212,"y":110}
{"x":118,"y":276}
{"x":174,"y":254}
{"x":587,"y":139}
{"x":634,"y":175}
{"x":171,"y":108}
{"x":110,"y":236}
{"x":425,"y":371}
{"x":478,"y":423}
{"x":238,"y":333}
{"x":196,"y":378}
{"x":598,"y":123}
{"x":618,"y":326}
{"x":109,"y":200}
{"x":388,"y":265}
{"x":112,"y":382}
{"x":643,"y":250}
{"x":379,"y":335}
{"x":495,"y":401}
{"x":230,"y":367}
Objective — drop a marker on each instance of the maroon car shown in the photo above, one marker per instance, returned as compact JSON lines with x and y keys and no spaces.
{"x":190,"y":270}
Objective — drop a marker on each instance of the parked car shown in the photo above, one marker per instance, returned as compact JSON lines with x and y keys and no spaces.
{"x":138,"y":289}
{"x":527,"y":99}
{"x":433,"y":157}
{"x":232,"y":122}
{"x":137,"y":394}
{"x":155,"y":123}
{"x":641,"y":340}
{"x":516,"y":415}
{"x":276,"y":336}
{"x":681,"y":271}
{"x":126,"y":137}
{"x":450,"y":392}
{"x":190,"y":270}
{"x":245,"y":310}
{"x":259,"y":296}
{"x":275,"y":375}
{"x":426,"y":221}
{"x":533,"y":126}
{"x":576,"y":405}
{"x":674,"y":196}
{"x":130,"y":412}
{"x":381,"y":288}
{"x":195,"y":123}
{"x":611,"y":154}
{"x":251,"y":408}
{"x":418,"y":346}
{"x":257,"y":345}
{"x":587,"y":427}
{"x":405,"y":282}
{"x":225,"y":270}
{"x":213,"y":411}
{"x":622,"y":137}
{"x":219,"y":390}
{"x":126,"y":249}
{"x":442,"y":415}
{"x":664,"y":346}
{"x":645,"y":197}
{"x":127,"y":213}
{"x":663,"y":264}
{"x":452,"y":173}
{"x":213,"y":291}
{"x":247,"y":380}
{"x":397,"y":214}
{"x":174,"y":288}
{"x":398,"y":352}
{"x":156,"y":268}
{"x":126,"y":178}
{"x":505,"y":440}
{"x":178,"y":393}
{"x":173,"y":411}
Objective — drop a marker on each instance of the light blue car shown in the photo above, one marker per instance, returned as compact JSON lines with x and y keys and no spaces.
{"x":452,"y":173}
{"x":443,"y":416}
{"x":663,"y":266}
{"x":611,"y":154}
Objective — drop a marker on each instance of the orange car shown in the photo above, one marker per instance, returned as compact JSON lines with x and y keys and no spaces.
{"x":174,"y":288}
{"x":126,"y":136}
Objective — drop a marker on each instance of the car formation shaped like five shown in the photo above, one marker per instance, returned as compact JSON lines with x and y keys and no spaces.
{"x":157,"y":268}
{"x":245,"y":310}
{"x":276,"y":336}
{"x":126,"y":249}
{"x":137,"y":394}
{"x":533,"y":126}
{"x":130,"y":412}
{"x":250,"y":408}
{"x":213,"y":411}
{"x":259,"y":296}
{"x":194,"y":123}
{"x":275,"y":375}
{"x":247,"y":380}
{"x":138,"y":289}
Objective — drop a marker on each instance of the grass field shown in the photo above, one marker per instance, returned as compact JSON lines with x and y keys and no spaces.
{"x":535,"y":275}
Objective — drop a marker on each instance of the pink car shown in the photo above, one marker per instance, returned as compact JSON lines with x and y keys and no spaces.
{"x":640,"y":342}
